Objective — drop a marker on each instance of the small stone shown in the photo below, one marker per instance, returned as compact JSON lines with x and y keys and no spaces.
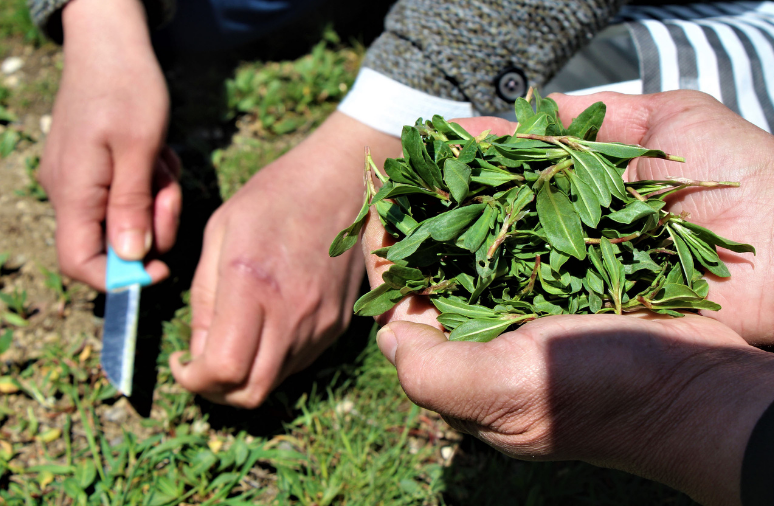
{"x":285,"y":446}
{"x":200,"y":427}
{"x":11,"y":65}
{"x":344,"y":407}
{"x":116,"y":441}
{"x":117,"y":413}
{"x":45,"y":123}
{"x":447,"y":452}
{"x":11,"y":81}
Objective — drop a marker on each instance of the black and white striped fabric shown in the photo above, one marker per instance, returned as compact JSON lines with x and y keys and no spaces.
{"x":723,"y":49}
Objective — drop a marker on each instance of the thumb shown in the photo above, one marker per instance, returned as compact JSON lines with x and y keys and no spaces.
{"x":130,"y":205}
{"x":435,"y":373}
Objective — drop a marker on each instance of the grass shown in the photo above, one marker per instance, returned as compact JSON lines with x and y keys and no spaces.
{"x":340,"y":433}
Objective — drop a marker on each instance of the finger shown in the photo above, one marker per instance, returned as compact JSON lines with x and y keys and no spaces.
{"x":204,"y":285}
{"x":627,"y":117}
{"x":375,"y":237}
{"x":130,"y":205}
{"x":412,"y":308}
{"x":498,"y":126}
{"x":166,"y":207}
{"x":445,"y":376}
{"x":233,"y":337}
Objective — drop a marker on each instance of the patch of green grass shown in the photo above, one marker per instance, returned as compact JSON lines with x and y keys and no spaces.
{"x":294,"y":96}
{"x":15,"y":21}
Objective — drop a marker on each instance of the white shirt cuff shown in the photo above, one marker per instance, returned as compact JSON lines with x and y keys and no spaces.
{"x":387,"y":105}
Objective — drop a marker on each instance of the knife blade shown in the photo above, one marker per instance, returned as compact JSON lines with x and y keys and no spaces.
{"x":124,"y":281}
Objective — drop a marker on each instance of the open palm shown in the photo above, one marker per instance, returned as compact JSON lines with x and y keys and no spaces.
{"x":717,"y":145}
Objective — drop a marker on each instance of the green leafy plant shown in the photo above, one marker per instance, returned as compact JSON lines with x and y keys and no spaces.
{"x":53,"y":281}
{"x":33,"y":188}
{"x":295,"y":95}
{"x":501,"y":230}
{"x":16,"y":303}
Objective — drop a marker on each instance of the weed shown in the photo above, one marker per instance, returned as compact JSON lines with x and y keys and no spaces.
{"x":16,"y":304}
{"x":53,"y":281}
{"x":15,"y":21}
{"x":33,"y":188}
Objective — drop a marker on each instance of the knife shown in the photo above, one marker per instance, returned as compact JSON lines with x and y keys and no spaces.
{"x":119,"y":334}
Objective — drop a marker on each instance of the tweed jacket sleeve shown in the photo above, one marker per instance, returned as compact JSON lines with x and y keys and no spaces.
{"x":456,"y":48}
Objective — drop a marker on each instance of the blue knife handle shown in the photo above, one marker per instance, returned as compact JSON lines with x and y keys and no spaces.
{"x":122,"y":273}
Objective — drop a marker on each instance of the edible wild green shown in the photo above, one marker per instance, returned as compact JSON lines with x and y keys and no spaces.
{"x":501,"y":230}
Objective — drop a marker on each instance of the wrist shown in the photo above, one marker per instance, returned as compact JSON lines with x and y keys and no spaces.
{"x":97,"y":22}
{"x":701,"y":427}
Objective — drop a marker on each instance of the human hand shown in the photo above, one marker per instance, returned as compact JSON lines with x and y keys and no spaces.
{"x":103,"y":159}
{"x":641,"y":395}
{"x":673,"y":400}
{"x":266,"y":297}
{"x":717,"y":145}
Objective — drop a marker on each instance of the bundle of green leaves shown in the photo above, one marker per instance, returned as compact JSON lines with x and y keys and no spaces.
{"x":501,"y":230}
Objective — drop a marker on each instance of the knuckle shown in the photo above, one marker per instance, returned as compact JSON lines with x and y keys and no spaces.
{"x":226,"y":373}
{"x":131,"y":199}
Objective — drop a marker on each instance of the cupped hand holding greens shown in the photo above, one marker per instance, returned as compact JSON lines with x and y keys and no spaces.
{"x":498,"y":230}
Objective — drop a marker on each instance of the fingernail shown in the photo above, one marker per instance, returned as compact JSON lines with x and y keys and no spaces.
{"x":387,"y":342}
{"x":133,"y":244}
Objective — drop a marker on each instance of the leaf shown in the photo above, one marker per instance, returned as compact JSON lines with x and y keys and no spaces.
{"x":411,"y":242}
{"x":392,"y":214}
{"x":391,"y":190}
{"x":451,"y":130}
{"x":378,"y":301}
{"x":591,"y":171}
{"x":560,"y":222}
{"x":8,"y":141}
{"x":449,"y":225}
{"x":397,"y":276}
{"x":557,"y":259}
{"x":400,"y":172}
{"x":594,"y":281}
{"x":13,"y":319}
{"x":85,"y":473}
{"x":536,"y":124}
{"x":615,"y":182}
{"x":623,"y":151}
{"x":456,"y":175}
{"x":480,"y":330}
{"x":459,"y":306}
{"x":476,"y":234}
{"x":635,"y":210}
{"x":614,"y":269}
{"x":451,"y":320}
{"x":468,"y":152}
{"x":523,"y":110}
{"x":711,"y":238}
{"x":5,"y":341}
{"x":705,"y":254}
{"x":642,"y":261}
{"x":415,"y":153}
{"x":686,"y":259}
{"x":586,"y":203}
{"x":588,"y":123}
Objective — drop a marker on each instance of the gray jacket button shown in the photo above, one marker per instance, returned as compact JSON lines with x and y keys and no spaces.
{"x":511,"y":84}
